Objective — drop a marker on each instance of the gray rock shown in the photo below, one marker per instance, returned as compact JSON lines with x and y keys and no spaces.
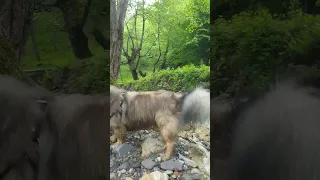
{"x":124,"y":149}
{"x":148,"y":163}
{"x":156,"y":169}
{"x":125,"y":166}
{"x":188,"y":161}
{"x":191,"y":176}
{"x":131,"y":170}
{"x":111,"y":163}
{"x":195,"y":170}
{"x":113,"y":175}
{"x":168,"y":172}
{"x":135,"y":165}
{"x":151,"y":145}
{"x":171,"y":165}
{"x":122,"y":171}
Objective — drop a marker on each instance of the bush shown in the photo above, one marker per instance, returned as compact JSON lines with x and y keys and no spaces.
{"x":89,"y":76}
{"x":181,"y":79}
{"x":253,"y":48}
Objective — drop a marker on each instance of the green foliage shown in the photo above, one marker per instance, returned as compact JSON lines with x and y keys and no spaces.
{"x":90,"y":76}
{"x":180,"y":79}
{"x":176,"y":34}
{"x":253,"y":48}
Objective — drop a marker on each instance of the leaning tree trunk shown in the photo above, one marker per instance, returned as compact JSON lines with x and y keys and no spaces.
{"x":73,"y":17}
{"x":118,"y":9}
{"x":15,"y":18}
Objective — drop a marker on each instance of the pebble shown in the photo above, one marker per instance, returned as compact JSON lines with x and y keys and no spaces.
{"x":148,"y":163}
{"x":188,"y":161}
{"x":174,"y":176}
{"x":131,"y":170}
{"x":125,"y":166}
{"x":156,"y":169}
{"x":158,"y":159}
{"x":122,"y":171}
{"x":191,"y":176}
{"x":171,"y":165}
{"x":112,"y":175}
{"x":168,"y":172}
{"x":124,"y":149}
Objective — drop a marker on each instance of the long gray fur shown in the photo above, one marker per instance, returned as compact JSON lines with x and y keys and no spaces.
{"x":196,"y":107}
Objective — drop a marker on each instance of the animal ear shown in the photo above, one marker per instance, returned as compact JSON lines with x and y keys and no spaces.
{"x":43,"y":104}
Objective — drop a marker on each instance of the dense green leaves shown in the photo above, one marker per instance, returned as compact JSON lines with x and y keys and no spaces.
{"x":254,"y":48}
{"x":180,"y":79}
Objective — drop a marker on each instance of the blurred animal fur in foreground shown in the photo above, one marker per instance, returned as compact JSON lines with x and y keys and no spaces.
{"x":278,"y":136}
{"x":163,"y":110}
{"x":72,"y":139}
{"x":22,"y":110}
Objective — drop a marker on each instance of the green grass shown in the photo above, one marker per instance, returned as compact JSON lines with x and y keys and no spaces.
{"x":125,"y":74}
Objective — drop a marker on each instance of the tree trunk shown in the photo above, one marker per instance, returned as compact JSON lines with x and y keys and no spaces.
{"x":99,"y":37}
{"x":164,"y":62}
{"x":73,"y":18}
{"x":134,"y":74}
{"x":79,"y":42}
{"x":34,"y":43}
{"x":15,"y":18}
{"x":118,"y":11}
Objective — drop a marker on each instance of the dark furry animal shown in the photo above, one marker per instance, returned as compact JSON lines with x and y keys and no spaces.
{"x":73,"y":142}
{"x":277,"y":136}
{"x":162,"y":110}
{"x":22,"y":110}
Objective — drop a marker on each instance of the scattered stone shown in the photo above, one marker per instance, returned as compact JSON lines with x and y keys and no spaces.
{"x":174,"y":176}
{"x":158,"y":159}
{"x":151,"y":145}
{"x":124,"y":149}
{"x":148,"y":163}
{"x":188,"y":161}
{"x":113,"y":175}
{"x":131,"y":170}
{"x":125,"y":166}
{"x":195,"y":170}
{"x":191,"y":176}
{"x":171,"y":164}
{"x":156,"y":169}
{"x":156,"y":175}
{"x":113,"y":139}
{"x":135,"y":165}
{"x":122,"y":171}
{"x":203,"y":133}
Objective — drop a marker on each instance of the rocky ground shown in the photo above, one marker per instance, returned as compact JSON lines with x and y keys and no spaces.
{"x":190,"y":161}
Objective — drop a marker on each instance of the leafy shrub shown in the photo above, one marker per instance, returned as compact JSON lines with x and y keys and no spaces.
{"x":181,"y":79}
{"x":253,"y":48}
{"x":89,"y":76}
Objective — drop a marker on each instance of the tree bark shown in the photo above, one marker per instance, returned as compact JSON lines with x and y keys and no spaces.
{"x":34,"y":43}
{"x":15,"y":18}
{"x":134,"y":74}
{"x":118,"y":11}
{"x":99,"y":37}
{"x":79,"y":42}
{"x":71,"y":10}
